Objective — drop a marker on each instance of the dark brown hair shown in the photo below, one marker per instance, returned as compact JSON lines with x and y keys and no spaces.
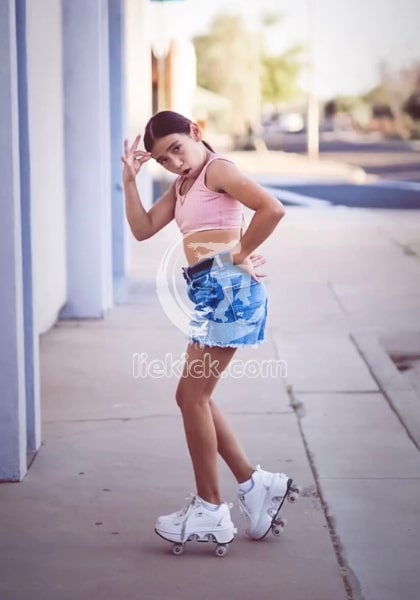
{"x":165,"y":123}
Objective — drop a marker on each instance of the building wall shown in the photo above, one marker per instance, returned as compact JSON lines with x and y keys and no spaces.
{"x":46,"y":145}
{"x":183,"y":77}
{"x":36,"y":196}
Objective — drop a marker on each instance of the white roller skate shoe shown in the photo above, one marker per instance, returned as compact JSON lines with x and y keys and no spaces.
{"x":196,"y":522}
{"x":262,"y":503}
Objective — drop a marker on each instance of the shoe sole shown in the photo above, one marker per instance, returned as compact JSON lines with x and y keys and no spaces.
{"x":221,"y":547}
{"x":288,"y":489}
{"x":196,"y":537}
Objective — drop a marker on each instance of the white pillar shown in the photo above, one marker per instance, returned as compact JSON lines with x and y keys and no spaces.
{"x":12,"y":356}
{"x":87,"y":156}
{"x":138,"y":76}
{"x":312,"y":117}
{"x":27,"y":201}
{"x":117,"y":108}
{"x":47,"y":189}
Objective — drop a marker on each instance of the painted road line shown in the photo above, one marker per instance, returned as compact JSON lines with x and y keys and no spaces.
{"x":397,"y":184}
{"x":295,"y":198}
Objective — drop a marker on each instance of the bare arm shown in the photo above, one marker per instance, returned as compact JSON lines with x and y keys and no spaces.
{"x":143,"y":224}
{"x":224,"y":176}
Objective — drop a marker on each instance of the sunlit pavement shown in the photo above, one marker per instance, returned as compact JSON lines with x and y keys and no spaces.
{"x":343,"y":422}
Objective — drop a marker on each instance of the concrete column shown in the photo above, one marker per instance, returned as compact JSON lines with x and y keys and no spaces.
{"x":48,"y":204}
{"x":138,"y":78}
{"x":87,"y":156}
{"x":31,"y":341}
{"x":117,"y":107}
{"x":12,"y":355}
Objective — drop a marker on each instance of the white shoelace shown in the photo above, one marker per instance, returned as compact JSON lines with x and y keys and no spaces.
{"x":191,"y":500}
{"x":240,"y":503}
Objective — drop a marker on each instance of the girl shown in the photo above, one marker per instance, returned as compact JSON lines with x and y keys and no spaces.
{"x":206,"y":199}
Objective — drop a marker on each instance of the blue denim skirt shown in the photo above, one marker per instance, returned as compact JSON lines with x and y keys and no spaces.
{"x":230,"y":308}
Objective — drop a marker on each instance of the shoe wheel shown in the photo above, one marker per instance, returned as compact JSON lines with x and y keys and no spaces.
{"x":177,"y":549}
{"x":293,"y":494}
{"x":221,"y":551}
{"x":280,"y":522}
{"x":276,"y":530}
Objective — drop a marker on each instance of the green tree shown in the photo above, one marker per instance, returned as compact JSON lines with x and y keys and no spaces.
{"x":412,"y":105}
{"x":280,"y":72}
{"x":394,"y":88}
{"x":233,"y":61}
{"x":279,"y":78}
{"x":229,"y":63}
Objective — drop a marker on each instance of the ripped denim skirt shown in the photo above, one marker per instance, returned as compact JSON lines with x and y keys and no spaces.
{"x":230,"y":308}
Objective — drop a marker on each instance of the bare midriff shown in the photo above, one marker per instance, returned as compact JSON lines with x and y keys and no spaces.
{"x":199,"y":245}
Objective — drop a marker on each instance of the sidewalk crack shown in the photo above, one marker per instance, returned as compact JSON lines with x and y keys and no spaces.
{"x":350,"y":580}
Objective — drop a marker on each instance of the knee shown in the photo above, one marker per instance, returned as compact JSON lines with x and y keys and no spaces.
{"x":186,"y":400}
{"x":179,"y":397}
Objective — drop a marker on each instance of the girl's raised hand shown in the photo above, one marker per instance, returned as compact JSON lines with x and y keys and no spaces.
{"x":133,"y":159}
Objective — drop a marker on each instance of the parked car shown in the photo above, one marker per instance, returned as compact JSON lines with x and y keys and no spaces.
{"x":291,"y":122}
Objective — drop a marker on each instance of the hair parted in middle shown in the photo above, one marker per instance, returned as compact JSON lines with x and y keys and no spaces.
{"x":167,"y":122}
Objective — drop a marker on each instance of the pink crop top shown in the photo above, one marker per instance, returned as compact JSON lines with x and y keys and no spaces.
{"x":202,"y":209}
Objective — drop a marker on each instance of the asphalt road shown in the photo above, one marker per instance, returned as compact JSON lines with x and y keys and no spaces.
{"x":390,"y":159}
{"x":376,"y":195}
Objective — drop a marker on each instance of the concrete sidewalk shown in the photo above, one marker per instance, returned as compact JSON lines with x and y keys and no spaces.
{"x":274,"y":165}
{"x":114,"y":456}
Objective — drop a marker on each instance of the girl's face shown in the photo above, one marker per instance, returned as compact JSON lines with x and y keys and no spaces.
{"x":180,"y":153}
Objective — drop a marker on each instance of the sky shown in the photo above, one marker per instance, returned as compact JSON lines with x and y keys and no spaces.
{"x":350,"y":37}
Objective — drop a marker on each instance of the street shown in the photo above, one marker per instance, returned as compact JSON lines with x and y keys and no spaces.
{"x":391,"y":159}
{"x":388,"y":195}
{"x":393,"y":164}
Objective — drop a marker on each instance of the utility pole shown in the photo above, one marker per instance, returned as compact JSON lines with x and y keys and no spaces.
{"x":312,"y":115}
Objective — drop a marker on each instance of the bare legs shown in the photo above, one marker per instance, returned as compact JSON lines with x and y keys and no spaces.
{"x":206,"y":429}
{"x":229,"y":448}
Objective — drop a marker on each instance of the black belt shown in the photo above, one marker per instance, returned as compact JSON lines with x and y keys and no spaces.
{"x":203,"y":265}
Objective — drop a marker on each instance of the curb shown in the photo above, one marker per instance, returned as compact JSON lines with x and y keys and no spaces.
{"x":402,"y":398}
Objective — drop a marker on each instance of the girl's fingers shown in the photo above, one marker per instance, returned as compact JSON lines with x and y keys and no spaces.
{"x":257,"y":276}
{"x":257,"y":257}
{"x":135,"y":143}
{"x":257,"y":262}
{"x":142,"y":156}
